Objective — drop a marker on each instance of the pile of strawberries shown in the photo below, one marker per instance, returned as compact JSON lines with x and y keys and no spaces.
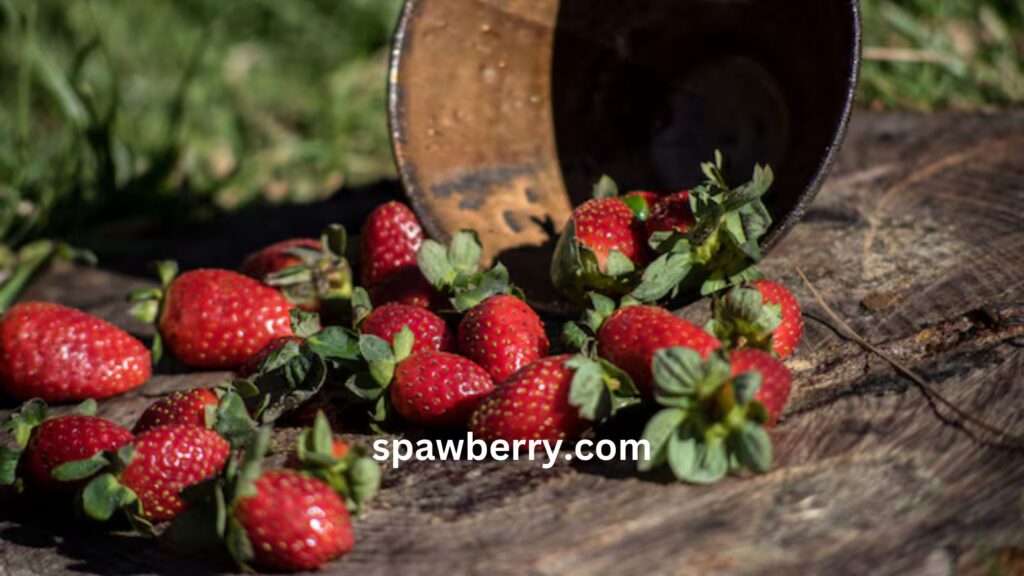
{"x":430,"y":339}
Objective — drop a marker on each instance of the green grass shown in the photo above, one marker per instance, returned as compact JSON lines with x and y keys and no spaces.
{"x":133,"y":115}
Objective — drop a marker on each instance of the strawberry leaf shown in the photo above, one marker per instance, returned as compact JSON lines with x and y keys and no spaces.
{"x":618,"y":264}
{"x":25,"y":419}
{"x":752,"y":447}
{"x":104,"y":495}
{"x":403,"y":344}
{"x":80,"y":469}
{"x":605,"y":188}
{"x":465,"y":252}
{"x":232,"y":420}
{"x":657,"y":433}
{"x":361,"y":306}
{"x":432,"y":259}
{"x":9,"y":460}
{"x":305,"y":324}
{"x":587,"y":391}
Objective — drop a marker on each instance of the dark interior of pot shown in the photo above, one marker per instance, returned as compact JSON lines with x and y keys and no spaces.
{"x":646,"y":90}
{"x":505,"y":112}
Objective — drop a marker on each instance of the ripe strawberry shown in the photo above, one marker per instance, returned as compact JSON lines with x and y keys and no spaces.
{"x":390,"y":238}
{"x":61,"y":354}
{"x":531,"y":405}
{"x":502,"y":334}
{"x":714,"y":413}
{"x":631,"y":335}
{"x":253,"y":364}
{"x":214,"y":319}
{"x":606,"y":224}
{"x":762,"y":315}
{"x":602,"y":248}
{"x":50,"y":442}
{"x":429,"y":330}
{"x":294,"y":522}
{"x":671,"y":214}
{"x":438,"y":389}
{"x":167,"y":460}
{"x":776,"y":381}
{"x":184,"y":407}
{"x":787,"y":334}
{"x":276,"y":257}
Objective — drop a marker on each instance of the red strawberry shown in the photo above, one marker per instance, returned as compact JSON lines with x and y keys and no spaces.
{"x":761,"y":314}
{"x":631,"y":335}
{"x":61,"y":354}
{"x":606,"y":224}
{"x":169,"y":459}
{"x":428,"y":329}
{"x":787,"y":334}
{"x":407,"y":286}
{"x":215,"y":319}
{"x":65,"y":439}
{"x":252,"y":365}
{"x":502,"y":334}
{"x":438,"y":389}
{"x":671,"y":214}
{"x":294,"y":522}
{"x":276,"y":257}
{"x":776,"y":381}
{"x":390,"y":238}
{"x":531,"y":405}
{"x":185,"y":407}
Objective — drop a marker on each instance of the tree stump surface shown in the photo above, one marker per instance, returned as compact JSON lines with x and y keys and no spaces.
{"x":917,"y":240}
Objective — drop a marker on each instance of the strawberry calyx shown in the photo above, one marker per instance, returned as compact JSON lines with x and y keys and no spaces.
{"x":147,"y":303}
{"x":379,"y":360}
{"x":575,"y":267}
{"x":720,"y":249}
{"x":456,"y":273}
{"x":20,"y":424}
{"x":582,"y":335}
{"x":105,"y":495}
{"x":323,"y":278}
{"x":598,"y":388}
{"x":353,"y":475}
{"x":742,"y":319}
{"x":710,"y":422}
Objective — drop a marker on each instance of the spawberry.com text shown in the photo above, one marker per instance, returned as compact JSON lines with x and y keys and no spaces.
{"x":399,"y":450}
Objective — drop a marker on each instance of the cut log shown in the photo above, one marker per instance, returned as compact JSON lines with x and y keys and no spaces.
{"x":917,"y":241}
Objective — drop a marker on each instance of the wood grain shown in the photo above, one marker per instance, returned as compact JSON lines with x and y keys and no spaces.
{"x":917,"y":241}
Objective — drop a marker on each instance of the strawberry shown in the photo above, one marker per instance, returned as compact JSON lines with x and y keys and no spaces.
{"x":312,"y":274}
{"x":184,"y":407}
{"x":276,"y":257}
{"x":438,"y":389}
{"x":49,"y":442}
{"x":532,"y":405}
{"x":145,"y":476}
{"x":671,"y":214}
{"x":714,"y":413}
{"x":502,"y":334}
{"x":706,"y":239}
{"x":255,"y":362}
{"x":61,"y":354}
{"x":776,"y":381}
{"x":348,"y":469}
{"x":390,"y":239}
{"x":429,"y":330}
{"x":602,"y":247}
{"x":762,"y":315}
{"x":631,"y":335}
{"x":214,"y":319}
{"x":277,"y":520}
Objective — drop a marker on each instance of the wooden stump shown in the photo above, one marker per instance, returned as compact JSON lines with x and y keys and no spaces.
{"x":917,"y":241}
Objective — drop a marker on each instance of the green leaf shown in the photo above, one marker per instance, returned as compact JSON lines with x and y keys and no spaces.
{"x":618,"y":264}
{"x":22,"y":422}
{"x":305,"y":324}
{"x":605,"y":188}
{"x":361,"y":305}
{"x":677,"y":371}
{"x":662,"y":277}
{"x":574,"y":337}
{"x":166,"y":271}
{"x":80,"y":469}
{"x":465,"y":252}
{"x":364,"y":387}
{"x":335,"y":343}
{"x":587,"y":391}
{"x":374,"y":348}
{"x":404,"y":342}
{"x":492,"y":282}
{"x":659,"y":429}
{"x":753,"y":448}
{"x":382,"y":371}
{"x":145,"y":305}
{"x":9,"y":460}
{"x":238,"y":544}
{"x":86,"y":408}
{"x":745,"y":386}
{"x":432,"y":259}
{"x":104,"y":495}
{"x":364,"y":477}
{"x":322,"y":437}
{"x":335,"y":240}
{"x":602,"y":304}
{"x":232,"y":420}
{"x":156,"y":351}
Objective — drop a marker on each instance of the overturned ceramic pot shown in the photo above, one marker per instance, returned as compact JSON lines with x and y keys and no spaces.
{"x":505,"y":112}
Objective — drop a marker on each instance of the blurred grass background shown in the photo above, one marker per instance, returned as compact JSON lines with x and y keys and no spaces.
{"x":120,"y":117}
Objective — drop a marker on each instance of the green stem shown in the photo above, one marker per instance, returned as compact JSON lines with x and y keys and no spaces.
{"x":23,"y":273}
